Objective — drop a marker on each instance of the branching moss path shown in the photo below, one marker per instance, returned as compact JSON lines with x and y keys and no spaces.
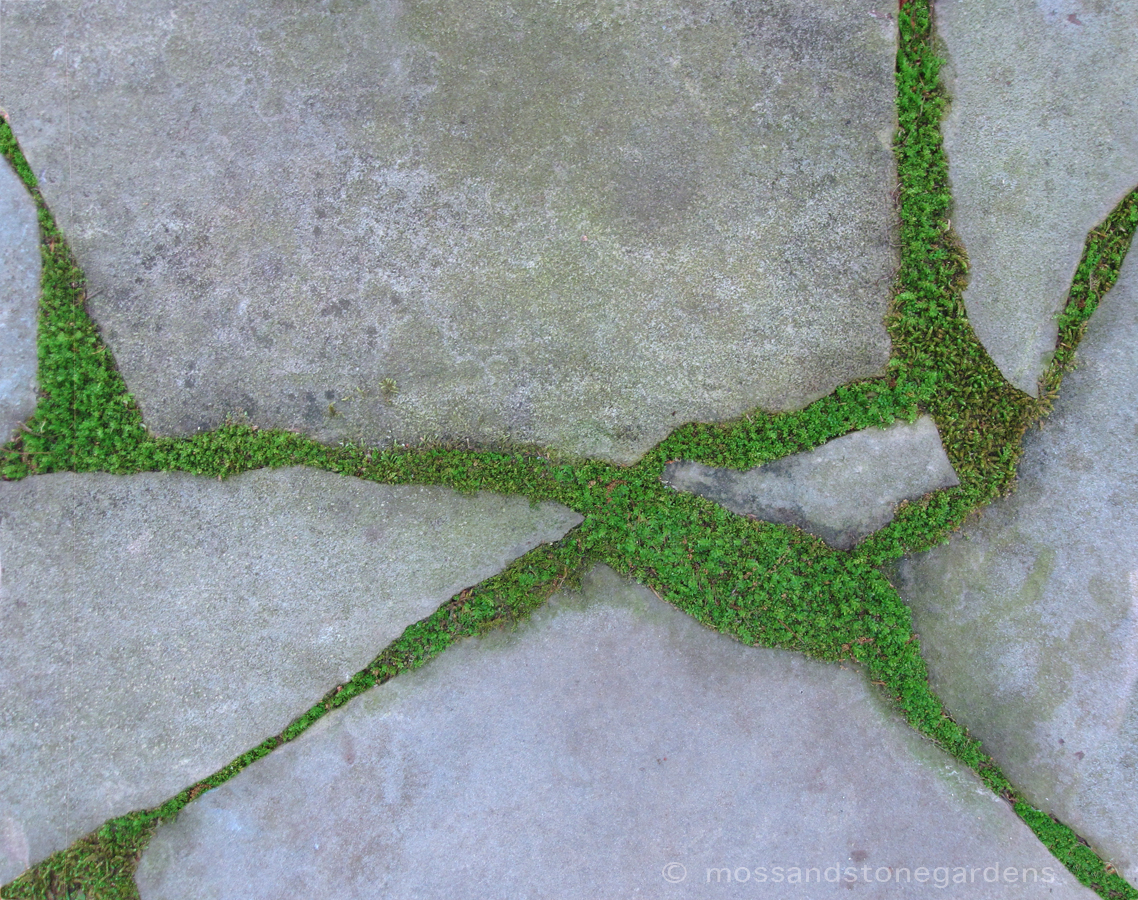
{"x":766,"y":585}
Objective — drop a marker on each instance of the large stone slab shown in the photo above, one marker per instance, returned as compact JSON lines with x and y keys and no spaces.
{"x":841,"y":492}
{"x":1042,"y":142}
{"x":154,"y":627}
{"x":612,"y":747}
{"x":1029,"y":616}
{"x":580,"y":225}
{"x":19,"y":301}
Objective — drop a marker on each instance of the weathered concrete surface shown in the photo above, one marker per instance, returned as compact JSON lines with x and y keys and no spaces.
{"x":841,"y":491}
{"x":1029,"y":617}
{"x":156,"y":626}
{"x":1042,"y":142}
{"x":581,"y":225}
{"x":19,"y":301}
{"x":591,"y":754}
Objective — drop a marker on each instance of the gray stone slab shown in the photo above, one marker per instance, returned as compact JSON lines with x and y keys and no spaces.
{"x":581,"y":225}
{"x":1042,"y":142}
{"x":603,"y":750}
{"x":841,"y":492}
{"x":154,"y":627}
{"x":1029,"y":616}
{"x":19,"y":301}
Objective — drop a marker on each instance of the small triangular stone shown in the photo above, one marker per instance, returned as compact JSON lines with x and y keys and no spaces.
{"x":842,"y":491}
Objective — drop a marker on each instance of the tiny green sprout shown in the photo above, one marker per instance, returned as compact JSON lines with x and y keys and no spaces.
{"x":389,"y":389}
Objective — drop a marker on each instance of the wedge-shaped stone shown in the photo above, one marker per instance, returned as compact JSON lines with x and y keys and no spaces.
{"x":576,"y":224}
{"x":612,"y":747}
{"x":19,"y":301}
{"x":841,"y":491}
{"x":1042,"y":142}
{"x":154,"y":627}
{"x":1029,"y":617}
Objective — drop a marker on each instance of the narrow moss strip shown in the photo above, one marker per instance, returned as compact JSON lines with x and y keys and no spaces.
{"x":1075,"y":854}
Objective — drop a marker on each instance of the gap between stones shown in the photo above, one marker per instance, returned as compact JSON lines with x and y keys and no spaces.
{"x":830,"y":605}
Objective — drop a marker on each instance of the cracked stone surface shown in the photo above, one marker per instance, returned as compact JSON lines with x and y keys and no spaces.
{"x":842,"y":491}
{"x":1042,"y":142}
{"x":1029,"y":616}
{"x":154,"y":627}
{"x":19,"y":299}
{"x":580,"y":225}
{"x":608,"y":738}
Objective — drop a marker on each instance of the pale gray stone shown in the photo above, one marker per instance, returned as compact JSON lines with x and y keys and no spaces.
{"x":575,"y":224}
{"x":1029,"y":616}
{"x":841,"y":492}
{"x":591,"y":754}
{"x":1042,"y":142}
{"x":154,"y":627}
{"x":19,"y":301}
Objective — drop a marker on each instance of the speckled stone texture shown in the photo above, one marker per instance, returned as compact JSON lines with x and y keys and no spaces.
{"x":1029,"y":616}
{"x":1042,"y":142}
{"x":575,"y":224}
{"x":19,"y":301}
{"x":154,"y":627}
{"x":842,"y":491}
{"x":611,"y":747}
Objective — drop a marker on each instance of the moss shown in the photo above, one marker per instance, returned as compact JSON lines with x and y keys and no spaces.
{"x":767,"y":585}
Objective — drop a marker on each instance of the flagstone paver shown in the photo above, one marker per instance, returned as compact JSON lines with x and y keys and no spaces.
{"x":580,"y":225}
{"x":19,"y":299}
{"x":593,"y":753}
{"x":1042,"y":142}
{"x":154,"y":627}
{"x":841,"y":491}
{"x":1029,"y":616}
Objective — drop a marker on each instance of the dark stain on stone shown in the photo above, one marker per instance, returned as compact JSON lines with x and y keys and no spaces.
{"x":247,"y":405}
{"x":1074,"y":19}
{"x":373,"y":534}
{"x":269,"y":266}
{"x":336,"y":309}
{"x":312,"y":414}
{"x":657,"y":180}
